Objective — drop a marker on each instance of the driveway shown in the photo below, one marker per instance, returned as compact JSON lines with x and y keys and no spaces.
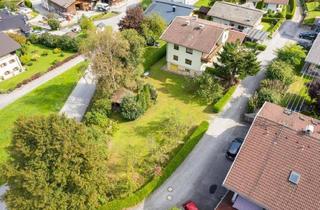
{"x":200,"y":176}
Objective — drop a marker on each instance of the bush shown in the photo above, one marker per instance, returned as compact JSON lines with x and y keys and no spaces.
{"x":18,"y":38}
{"x":280,"y":70}
{"x":292,"y":54}
{"x":35,"y":57}
{"x":25,"y":59}
{"x":56,"y":50}
{"x":253,"y":104}
{"x":276,"y":27}
{"x":146,"y":96}
{"x":44,"y":53}
{"x":28,"y":3}
{"x":173,"y":164}
{"x":102,"y":106}
{"x":255,"y":46}
{"x":153,"y":55}
{"x":130,"y":109}
{"x":54,"y":24}
{"x":218,"y":107}
{"x":291,"y":9}
{"x":260,"y":5}
{"x":270,"y":95}
{"x":100,"y":121}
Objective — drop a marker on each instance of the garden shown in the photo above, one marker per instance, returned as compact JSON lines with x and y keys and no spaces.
{"x":38,"y":55}
{"x":312,"y":11}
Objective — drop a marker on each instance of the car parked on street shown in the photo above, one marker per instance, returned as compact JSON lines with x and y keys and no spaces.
{"x":308,"y":35}
{"x":305,"y":44}
{"x":190,"y":205}
{"x":234,"y":148}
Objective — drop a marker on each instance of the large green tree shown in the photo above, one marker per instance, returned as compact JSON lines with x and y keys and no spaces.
{"x":236,"y":61}
{"x":86,"y":24}
{"x":152,"y":27}
{"x":136,"y":46}
{"x":55,"y":163}
{"x":280,"y":70}
{"x":292,"y":54}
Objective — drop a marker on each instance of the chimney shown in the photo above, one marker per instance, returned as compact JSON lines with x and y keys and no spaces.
{"x":173,"y":8}
{"x":309,"y":129}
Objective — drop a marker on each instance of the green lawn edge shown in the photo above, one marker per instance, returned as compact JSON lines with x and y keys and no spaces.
{"x":218,"y":107}
{"x":173,"y":164}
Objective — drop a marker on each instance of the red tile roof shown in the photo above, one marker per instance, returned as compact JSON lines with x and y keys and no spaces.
{"x":194,"y":33}
{"x":276,"y":145}
{"x":236,"y":36}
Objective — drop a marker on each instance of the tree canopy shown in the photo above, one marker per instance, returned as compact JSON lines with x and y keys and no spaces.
{"x":86,"y":24}
{"x":236,"y":61}
{"x":132,"y":20}
{"x":280,"y":70}
{"x":55,"y":163}
{"x":152,"y":28}
{"x":292,"y":54}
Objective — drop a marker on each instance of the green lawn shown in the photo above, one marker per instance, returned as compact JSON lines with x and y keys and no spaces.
{"x":312,"y":6}
{"x":205,"y":3}
{"x":297,"y":90}
{"x":46,"y":99}
{"x":266,"y":26}
{"x":171,"y":97}
{"x":39,"y":66}
{"x":104,"y":16}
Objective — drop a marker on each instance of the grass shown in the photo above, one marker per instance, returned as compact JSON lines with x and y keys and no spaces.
{"x":298,"y":91}
{"x":266,"y":26}
{"x":172,"y":96}
{"x":44,"y":100}
{"x":104,"y":16}
{"x":39,"y":66}
{"x":205,"y":3}
{"x":173,"y":164}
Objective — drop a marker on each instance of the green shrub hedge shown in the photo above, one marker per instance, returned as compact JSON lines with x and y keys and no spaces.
{"x":255,"y":45}
{"x":218,"y":107}
{"x":153,"y":55}
{"x":179,"y":157}
{"x":291,"y":9}
{"x":276,"y":27}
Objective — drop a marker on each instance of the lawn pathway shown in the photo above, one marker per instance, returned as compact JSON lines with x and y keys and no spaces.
{"x":78,"y":101}
{"x":6,"y":99}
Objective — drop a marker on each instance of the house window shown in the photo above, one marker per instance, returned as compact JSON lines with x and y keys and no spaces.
{"x":176,"y":47}
{"x":189,"y":51}
{"x":12,"y":61}
{"x":7,"y":73}
{"x":189,"y":62}
{"x":3,"y":65}
{"x":175,"y":57}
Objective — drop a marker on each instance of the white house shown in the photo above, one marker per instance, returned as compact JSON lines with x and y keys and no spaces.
{"x":9,"y":62}
{"x":274,"y":5}
{"x":238,"y":16}
{"x":192,"y":43}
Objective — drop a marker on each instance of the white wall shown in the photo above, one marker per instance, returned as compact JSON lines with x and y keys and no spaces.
{"x":10,"y":69}
{"x":195,"y":57}
{"x":273,"y":7}
{"x":228,"y":23}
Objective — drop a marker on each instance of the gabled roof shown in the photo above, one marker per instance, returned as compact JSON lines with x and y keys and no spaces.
{"x":194,"y":33}
{"x":164,"y":8}
{"x":236,"y":13}
{"x":283,"y":2}
{"x":314,"y":53}
{"x":275,"y":146}
{"x":63,"y":3}
{"x":10,"y":21}
{"x":7,"y":45}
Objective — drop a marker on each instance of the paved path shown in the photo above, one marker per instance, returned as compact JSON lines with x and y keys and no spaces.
{"x":206,"y":166}
{"x":6,"y":99}
{"x":78,"y":101}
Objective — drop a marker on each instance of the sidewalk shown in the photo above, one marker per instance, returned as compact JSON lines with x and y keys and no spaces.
{"x":79,"y":100}
{"x":6,"y":99}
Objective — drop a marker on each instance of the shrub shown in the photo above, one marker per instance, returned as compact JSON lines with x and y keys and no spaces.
{"x":292,"y":54}
{"x":153,"y":55}
{"x":54,"y":24}
{"x":18,"y":38}
{"x":173,"y":164}
{"x":218,"y":107}
{"x":28,"y":3}
{"x":54,"y":62}
{"x":253,"y":103}
{"x":260,"y":5}
{"x":276,"y":27}
{"x":44,"y":53}
{"x":280,"y":70}
{"x":255,"y":46}
{"x":56,"y":50}
{"x":105,"y":125}
{"x":25,"y":59}
{"x":291,"y":9}
{"x":35,"y":57}
{"x":130,"y":109}
{"x":270,"y":95}
{"x":102,"y":106}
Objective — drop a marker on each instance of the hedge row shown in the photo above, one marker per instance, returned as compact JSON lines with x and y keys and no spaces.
{"x":218,"y":107}
{"x":147,"y":189}
{"x":153,"y":55}
{"x":291,"y":9}
{"x":255,"y":46}
{"x":276,"y":27}
{"x":39,"y":74}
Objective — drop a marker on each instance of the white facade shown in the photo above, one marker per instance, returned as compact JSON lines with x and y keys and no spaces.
{"x":187,"y":61}
{"x":10,"y":66}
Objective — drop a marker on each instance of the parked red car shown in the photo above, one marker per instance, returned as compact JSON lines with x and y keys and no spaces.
{"x":190,"y":205}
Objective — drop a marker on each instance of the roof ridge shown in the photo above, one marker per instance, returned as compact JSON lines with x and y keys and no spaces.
{"x":239,"y":5}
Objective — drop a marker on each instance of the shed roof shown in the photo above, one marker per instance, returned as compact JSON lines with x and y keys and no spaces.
{"x":255,"y":34}
{"x":164,"y":8}
{"x":275,"y":146}
{"x":7,"y":45}
{"x":236,"y":13}
{"x":314,"y":53}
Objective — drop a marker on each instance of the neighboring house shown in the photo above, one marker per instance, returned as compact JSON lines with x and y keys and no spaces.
{"x":193,"y":44}
{"x":10,"y":22}
{"x":168,"y":10}
{"x":273,"y":5}
{"x":9,"y":62}
{"x":235,"y":15}
{"x":67,"y":7}
{"x":312,"y":61}
{"x":277,"y":167}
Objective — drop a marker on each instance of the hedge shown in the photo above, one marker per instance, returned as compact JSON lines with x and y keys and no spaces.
{"x":173,"y":164}
{"x":218,"y":107}
{"x":255,"y":45}
{"x":291,"y":9}
{"x":153,"y":55}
